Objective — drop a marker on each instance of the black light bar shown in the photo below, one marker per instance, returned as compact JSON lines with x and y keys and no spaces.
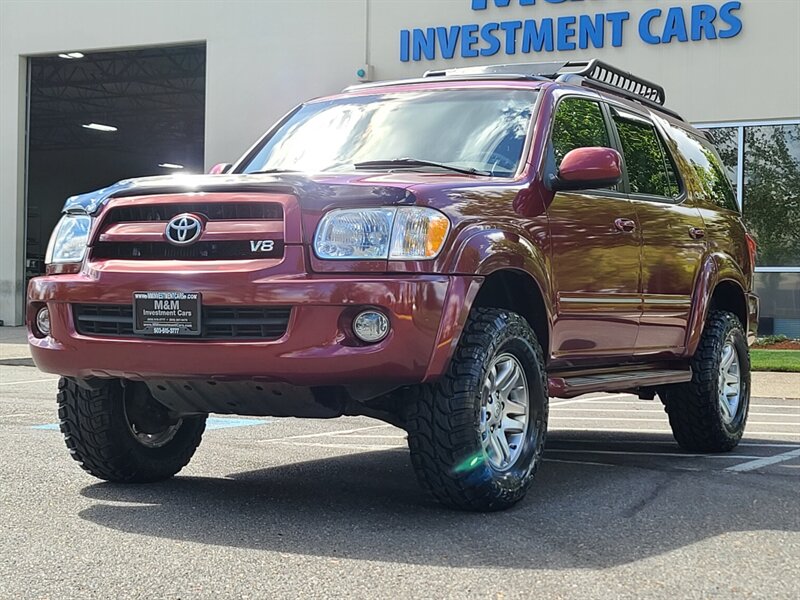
{"x":600,"y":72}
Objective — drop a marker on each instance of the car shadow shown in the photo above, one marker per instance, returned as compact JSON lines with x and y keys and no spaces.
{"x":368,"y":506}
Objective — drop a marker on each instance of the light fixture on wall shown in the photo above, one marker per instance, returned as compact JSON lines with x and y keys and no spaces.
{"x":167,"y":165}
{"x":99,"y":127}
{"x":71,"y":55}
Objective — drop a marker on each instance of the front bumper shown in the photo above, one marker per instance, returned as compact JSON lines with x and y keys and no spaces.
{"x":426,"y":314}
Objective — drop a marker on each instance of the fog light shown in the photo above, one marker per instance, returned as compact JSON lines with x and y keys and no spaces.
{"x":371,"y":326}
{"x":43,"y":321}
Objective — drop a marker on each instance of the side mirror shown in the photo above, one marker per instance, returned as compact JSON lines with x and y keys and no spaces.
{"x":220,"y":169}
{"x":587,"y":168}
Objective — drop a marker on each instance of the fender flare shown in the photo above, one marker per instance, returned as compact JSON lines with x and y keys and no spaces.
{"x":479,"y":253}
{"x":717,"y":268}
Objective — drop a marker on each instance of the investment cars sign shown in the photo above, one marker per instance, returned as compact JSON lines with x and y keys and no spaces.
{"x":658,"y":25}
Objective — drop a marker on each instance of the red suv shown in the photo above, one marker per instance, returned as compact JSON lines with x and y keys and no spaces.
{"x":443,"y":254}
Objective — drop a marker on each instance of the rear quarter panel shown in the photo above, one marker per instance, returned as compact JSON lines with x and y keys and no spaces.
{"x":726,"y":257}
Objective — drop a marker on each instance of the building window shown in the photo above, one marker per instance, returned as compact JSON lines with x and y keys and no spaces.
{"x":771,"y":195}
{"x":763,"y":161}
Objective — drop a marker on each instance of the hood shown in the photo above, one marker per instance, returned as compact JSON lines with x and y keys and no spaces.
{"x":315,"y":191}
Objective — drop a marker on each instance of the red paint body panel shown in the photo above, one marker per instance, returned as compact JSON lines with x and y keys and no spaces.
{"x":621,"y":279}
{"x":316,"y":350}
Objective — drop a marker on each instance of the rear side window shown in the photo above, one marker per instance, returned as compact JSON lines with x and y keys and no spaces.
{"x":579,"y":123}
{"x":650,"y":169}
{"x":713,"y":184}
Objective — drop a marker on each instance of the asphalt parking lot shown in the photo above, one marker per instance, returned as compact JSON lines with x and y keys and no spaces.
{"x":299,"y":508}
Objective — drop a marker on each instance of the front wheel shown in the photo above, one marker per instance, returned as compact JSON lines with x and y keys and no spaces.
{"x":122,"y":434}
{"x":709,"y":413}
{"x":476,"y":436}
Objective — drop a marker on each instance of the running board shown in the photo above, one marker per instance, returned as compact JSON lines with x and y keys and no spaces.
{"x":569,"y":386}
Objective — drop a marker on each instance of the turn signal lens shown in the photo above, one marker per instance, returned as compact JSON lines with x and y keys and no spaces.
{"x":419,"y":233}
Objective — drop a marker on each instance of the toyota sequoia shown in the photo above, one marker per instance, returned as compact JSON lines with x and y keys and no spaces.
{"x":444,"y":254}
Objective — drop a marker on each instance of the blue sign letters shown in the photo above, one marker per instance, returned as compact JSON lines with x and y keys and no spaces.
{"x":567,"y":32}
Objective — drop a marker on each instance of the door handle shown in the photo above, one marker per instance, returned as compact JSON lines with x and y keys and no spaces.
{"x":696,"y":233}
{"x":625,"y":225}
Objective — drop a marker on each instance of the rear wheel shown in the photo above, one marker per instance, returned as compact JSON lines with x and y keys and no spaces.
{"x":476,"y":436}
{"x":122,"y":434}
{"x":709,"y":413}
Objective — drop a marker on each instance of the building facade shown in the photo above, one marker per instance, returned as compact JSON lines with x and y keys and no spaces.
{"x":730,"y":67}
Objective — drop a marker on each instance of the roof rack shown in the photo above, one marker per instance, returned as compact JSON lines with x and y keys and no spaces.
{"x":590,"y":73}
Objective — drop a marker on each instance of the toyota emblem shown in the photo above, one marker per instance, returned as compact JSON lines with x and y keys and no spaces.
{"x":184,"y":229}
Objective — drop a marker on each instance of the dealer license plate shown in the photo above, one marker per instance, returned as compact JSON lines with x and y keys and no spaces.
{"x":166,"y":313}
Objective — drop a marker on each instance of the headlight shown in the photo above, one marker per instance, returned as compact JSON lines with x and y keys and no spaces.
{"x":69,"y":239}
{"x":403,"y":233}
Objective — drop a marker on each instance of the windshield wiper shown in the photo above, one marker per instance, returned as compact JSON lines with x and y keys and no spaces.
{"x":272,"y":171}
{"x":413,"y":162}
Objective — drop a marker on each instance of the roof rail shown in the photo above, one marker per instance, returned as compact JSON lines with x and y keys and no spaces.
{"x":542,"y":70}
{"x":590,"y":73}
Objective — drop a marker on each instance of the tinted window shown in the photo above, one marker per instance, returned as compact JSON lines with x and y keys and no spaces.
{"x":712,"y":178}
{"x":579,"y":123}
{"x":650,"y":170}
{"x":726,"y":141}
{"x":472,"y":129}
{"x":715,"y":178}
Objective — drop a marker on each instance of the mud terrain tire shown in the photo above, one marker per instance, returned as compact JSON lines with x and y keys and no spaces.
{"x":97,"y":432}
{"x":697,"y":418}
{"x":446,"y":420}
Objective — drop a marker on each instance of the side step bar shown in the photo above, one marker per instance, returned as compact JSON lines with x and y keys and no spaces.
{"x":563,"y":385}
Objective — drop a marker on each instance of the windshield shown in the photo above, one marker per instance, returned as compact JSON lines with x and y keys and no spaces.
{"x":480,"y":130}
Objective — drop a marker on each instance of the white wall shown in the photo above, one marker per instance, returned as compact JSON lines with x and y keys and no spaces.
{"x":264,"y":57}
{"x":755,"y":75}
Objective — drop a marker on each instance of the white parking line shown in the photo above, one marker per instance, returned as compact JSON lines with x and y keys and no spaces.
{"x":16,"y":415}
{"x":372,"y":437}
{"x":793,"y":402}
{"x":752,"y":462}
{"x":764,"y":462}
{"x":644,"y":420}
{"x":593,"y":399}
{"x":578,"y":462}
{"x":664,"y":431}
{"x":668,"y":454}
{"x":342,"y":446}
{"x":658,"y":411}
{"x":325,"y":433}
{"x":27,"y":381}
{"x":376,"y":447}
{"x":670,"y":443}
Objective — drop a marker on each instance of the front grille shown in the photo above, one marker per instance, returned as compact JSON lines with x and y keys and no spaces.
{"x":228,"y":250}
{"x":218,"y":322}
{"x":213,"y":211}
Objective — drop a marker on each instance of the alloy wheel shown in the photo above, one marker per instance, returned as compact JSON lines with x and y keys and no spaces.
{"x":504,"y":412}
{"x":730,"y":385}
